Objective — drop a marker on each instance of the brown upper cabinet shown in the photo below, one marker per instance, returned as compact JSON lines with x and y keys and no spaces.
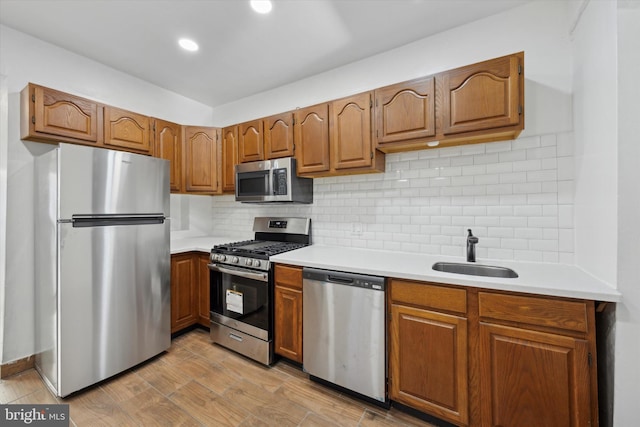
{"x":312,"y":139}
{"x":201,"y":159}
{"x":483,"y":96}
{"x":482,"y":102}
{"x":229,"y":158}
{"x":250,"y":141}
{"x":48,"y":115}
{"x":351,"y":142}
{"x":405,"y":111}
{"x":278,"y":136}
{"x":336,"y":138}
{"x":126,"y":130}
{"x":168,"y":145}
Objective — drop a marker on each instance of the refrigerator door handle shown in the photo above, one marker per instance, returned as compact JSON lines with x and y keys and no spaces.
{"x":121,"y":219}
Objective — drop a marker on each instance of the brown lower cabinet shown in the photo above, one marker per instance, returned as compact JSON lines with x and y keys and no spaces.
{"x":189,"y":290}
{"x":488,"y":358}
{"x":428,"y":351}
{"x":288,"y":312}
{"x":537,"y":361}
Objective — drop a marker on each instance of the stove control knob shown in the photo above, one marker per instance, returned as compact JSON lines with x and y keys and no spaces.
{"x":248,"y":263}
{"x":234,"y":260}
{"x":256,"y":263}
{"x":221,"y":257}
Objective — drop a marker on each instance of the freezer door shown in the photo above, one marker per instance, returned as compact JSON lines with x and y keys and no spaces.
{"x":98,"y":181}
{"x":113,"y":300}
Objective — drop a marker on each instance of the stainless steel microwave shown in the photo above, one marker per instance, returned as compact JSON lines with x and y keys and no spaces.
{"x":270,"y":181}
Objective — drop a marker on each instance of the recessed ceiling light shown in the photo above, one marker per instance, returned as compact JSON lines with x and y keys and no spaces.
{"x":261,"y":6}
{"x":188,"y":44}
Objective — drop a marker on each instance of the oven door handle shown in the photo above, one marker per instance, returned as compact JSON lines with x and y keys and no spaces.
{"x":263,"y":277}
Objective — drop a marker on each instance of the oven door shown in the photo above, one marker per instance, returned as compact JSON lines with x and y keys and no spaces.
{"x":241,"y":299}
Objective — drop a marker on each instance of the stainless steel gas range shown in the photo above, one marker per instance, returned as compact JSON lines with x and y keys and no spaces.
{"x":241,"y":297}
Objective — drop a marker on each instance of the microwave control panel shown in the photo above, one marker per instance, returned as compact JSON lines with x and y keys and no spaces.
{"x":280,"y":182}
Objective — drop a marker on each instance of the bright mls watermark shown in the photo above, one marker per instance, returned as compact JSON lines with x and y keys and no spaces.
{"x":35,"y":415}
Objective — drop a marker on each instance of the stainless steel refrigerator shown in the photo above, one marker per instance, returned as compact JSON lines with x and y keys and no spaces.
{"x":102,"y":264}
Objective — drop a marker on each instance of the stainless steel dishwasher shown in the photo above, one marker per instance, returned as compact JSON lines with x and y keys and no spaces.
{"x":344,"y":331}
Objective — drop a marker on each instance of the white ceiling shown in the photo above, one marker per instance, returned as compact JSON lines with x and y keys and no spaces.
{"x":241,"y":52}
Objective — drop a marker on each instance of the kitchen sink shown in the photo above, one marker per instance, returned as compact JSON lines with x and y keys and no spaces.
{"x":475,"y":269}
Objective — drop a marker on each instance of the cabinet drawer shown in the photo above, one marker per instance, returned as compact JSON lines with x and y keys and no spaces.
{"x":290,"y":277}
{"x":429,"y":295}
{"x":540,"y":311}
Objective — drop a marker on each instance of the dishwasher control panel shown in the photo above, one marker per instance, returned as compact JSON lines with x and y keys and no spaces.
{"x":375,"y":283}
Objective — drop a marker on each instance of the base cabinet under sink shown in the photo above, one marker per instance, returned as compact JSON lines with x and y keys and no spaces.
{"x":428,"y":360}
{"x":475,"y":357}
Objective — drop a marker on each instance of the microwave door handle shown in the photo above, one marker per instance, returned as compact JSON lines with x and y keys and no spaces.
{"x":274,"y":182}
{"x":246,"y":274}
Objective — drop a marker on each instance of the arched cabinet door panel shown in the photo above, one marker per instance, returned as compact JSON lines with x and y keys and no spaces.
{"x":201,"y":159}
{"x":405,"y":111}
{"x":250,"y":141}
{"x":278,"y":136}
{"x":168,"y":145}
{"x":312,"y":139}
{"x":483,"y":96}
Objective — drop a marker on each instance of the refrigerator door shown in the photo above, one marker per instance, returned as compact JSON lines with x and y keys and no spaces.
{"x":113,"y":300}
{"x":99,"y":181}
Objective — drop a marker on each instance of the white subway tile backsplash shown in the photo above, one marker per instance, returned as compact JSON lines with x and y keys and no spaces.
{"x":496,"y":147}
{"x":517,"y":196}
{"x":527,"y":165}
{"x":474,"y":170}
{"x":462,"y":161}
{"x":548,"y":140}
{"x":524,"y":143}
{"x":513,"y":178}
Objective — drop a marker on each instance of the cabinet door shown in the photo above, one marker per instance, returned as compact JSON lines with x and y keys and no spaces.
{"x":50,"y":115}
{"x":312,"y":139}
{"x":351,"y":143}
{"x":229,"y":158}
{"x":201,"y":155}
{"x":288,"y":312}
{"x":250,"y":142}
{"x":288,"y":323}
{"x":183,"y":292}
{"x":278,"y":136}
{"x":405,"y":111}
{"x":124,"y":129}
{"x":202,"y":261}
{"x":428,"y":362}
{"x":168,"y":145}
{"x":482,"y":96}
{"x":531,"y":378}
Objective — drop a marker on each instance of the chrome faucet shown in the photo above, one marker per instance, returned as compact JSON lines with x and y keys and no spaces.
{"x":471,"y":246}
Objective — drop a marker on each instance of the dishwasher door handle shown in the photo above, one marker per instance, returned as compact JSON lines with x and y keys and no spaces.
{"x":337,"y":279}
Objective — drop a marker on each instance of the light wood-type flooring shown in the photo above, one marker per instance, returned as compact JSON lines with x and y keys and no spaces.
{"x":196,"y":383}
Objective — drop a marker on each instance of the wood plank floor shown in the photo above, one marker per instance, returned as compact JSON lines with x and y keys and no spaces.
{"x":197,"y":383}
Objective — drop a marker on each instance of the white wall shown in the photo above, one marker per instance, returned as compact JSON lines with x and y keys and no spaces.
{"x":627,"y":352}
{"x":26,"y":59}
{"x":595,"y":119}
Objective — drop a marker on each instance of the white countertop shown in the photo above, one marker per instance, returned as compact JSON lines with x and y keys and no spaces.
{"x":537,"y":278}
{"x":198,"y":243}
